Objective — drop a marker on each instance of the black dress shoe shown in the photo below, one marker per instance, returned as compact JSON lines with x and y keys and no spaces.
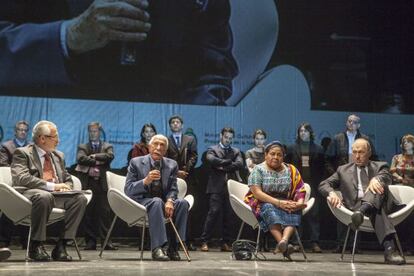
{"x":90,"y":245}
{"x":357,"y":219}
{"x":59,"y":254}
{"x":173,"y":255}
{"x":110,"y":246}
{"x":391,"y":257}
{"x":191,"y":247}
{"x":38,"y":253}
{"x":158,"y":254}
{"x":5,"y":253}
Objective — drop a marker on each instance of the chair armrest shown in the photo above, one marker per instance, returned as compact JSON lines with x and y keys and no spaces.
{"x":243,"y":211}
{"x":15,"y":205}
{"x":125,"y":208}
{"x":309,"y":205}
{"x":401,"y":215}
{"x":190,"y":200}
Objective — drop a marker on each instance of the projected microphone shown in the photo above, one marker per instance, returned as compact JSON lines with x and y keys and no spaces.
{"x":128,"y":53}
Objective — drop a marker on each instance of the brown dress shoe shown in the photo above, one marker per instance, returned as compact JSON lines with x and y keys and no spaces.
{"x":225,"y":247}
{"x":316,"y":248}
{"x":204,"y":247}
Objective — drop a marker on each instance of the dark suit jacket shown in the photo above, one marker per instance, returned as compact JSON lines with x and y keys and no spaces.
{"x":6,"y":152}
{"x":187,"y":57}
{"x":316,"y":162}
{"x":186,"y":156}
{"x":26,"y":168}
{"x":138,"y":169}
{"x":337,"y":152}
{"x":105,"y":154}
{"x":220,"y":170}
{"x":345,"y":179}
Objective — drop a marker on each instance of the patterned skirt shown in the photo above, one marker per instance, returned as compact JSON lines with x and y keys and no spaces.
{"x":271,"y":215}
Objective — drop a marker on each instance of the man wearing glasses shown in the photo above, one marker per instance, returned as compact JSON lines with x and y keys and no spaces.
{"x":20,"y":140}
{"x":6,"y":154}
{"x":40,"y":170}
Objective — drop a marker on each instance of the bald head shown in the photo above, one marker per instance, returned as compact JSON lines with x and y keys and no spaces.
{"x":361,"y":152}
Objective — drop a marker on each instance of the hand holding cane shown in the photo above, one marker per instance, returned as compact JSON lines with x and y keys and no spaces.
{"x":179,"y":239}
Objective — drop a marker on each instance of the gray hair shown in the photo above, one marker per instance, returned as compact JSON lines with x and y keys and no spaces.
{"x":42,"y":128}
{"x":159,"y":137}
{"x":22,"y":122}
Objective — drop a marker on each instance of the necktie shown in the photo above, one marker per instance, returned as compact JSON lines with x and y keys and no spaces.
{"x":177,"y":140}
{"x":364,"y":178}
{"x":48,"y":172}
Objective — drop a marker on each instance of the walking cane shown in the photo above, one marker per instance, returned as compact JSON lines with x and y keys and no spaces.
{"x":179,"y":239}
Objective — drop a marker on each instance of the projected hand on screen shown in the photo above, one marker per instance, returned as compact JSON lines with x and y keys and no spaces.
{"x":108,"y":20}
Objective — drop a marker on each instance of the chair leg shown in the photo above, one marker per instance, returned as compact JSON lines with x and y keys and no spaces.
{"x":28,"y":244}
{"x":353,"y":247}
{"x":300,"y":244}
{"x":77,"y":249}
{"x":240,"y":231}
{"x":345,"y":242}
{"x":397,"y":240}
{"x":142,"y":238}
{"x":107,"y":236}
{"x":257,"y":241}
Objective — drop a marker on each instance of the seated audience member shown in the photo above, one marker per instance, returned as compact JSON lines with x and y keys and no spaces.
{"x":364,"y":187}
{"x":255,"y":155}
{"x":152,"y":182}
{"x":276,"y":196}
{"x":6,"y":156}
{"x":40,"y":169}
{"x":402,"y":169}
{"x":140,"y":149}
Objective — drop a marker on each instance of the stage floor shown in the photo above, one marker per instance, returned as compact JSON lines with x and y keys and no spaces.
{"x":126,"y":262}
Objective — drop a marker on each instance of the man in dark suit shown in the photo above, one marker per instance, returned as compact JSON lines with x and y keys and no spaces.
{"x":364,"y":187}
{"x":152,"y":182}
{"x":6,"y":156}
{"x":94,"y":159}
{"x":225,"y":162}
{"x":183,"y":149}
{"x":40,"y":170}
{"x":339,"y":153}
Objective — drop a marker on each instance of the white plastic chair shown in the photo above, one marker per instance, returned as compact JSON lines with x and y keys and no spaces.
{"x":237,"y":192}
{"x":18,"y":208}
{"x":130,"y":211}
{"x":403,"y":194}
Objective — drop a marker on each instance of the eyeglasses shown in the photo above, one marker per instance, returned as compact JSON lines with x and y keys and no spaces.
{"x":22,"y":129}
{"x":52,"y":136}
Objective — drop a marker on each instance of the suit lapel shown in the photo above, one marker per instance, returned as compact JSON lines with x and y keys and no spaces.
{"x":354,"y":176}
{"x":165,"y":175}
{"x":36,"y":160}
{"x":173,"y":144}
{"x":146,"y":166}
{"x":184,"y":142}
{"x":57,"y":166}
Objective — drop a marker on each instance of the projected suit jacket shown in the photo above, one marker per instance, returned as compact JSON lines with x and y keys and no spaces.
{"x":187,"y":57}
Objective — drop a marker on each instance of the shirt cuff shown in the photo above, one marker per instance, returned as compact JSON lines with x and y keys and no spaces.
{"x":63,"y":45}
{"x":50,"y":186}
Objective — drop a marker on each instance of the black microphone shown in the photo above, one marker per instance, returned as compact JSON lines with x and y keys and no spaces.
{"x":156,"y":188}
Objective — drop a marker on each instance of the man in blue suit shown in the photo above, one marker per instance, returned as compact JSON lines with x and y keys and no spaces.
{"x":152,"y":182}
